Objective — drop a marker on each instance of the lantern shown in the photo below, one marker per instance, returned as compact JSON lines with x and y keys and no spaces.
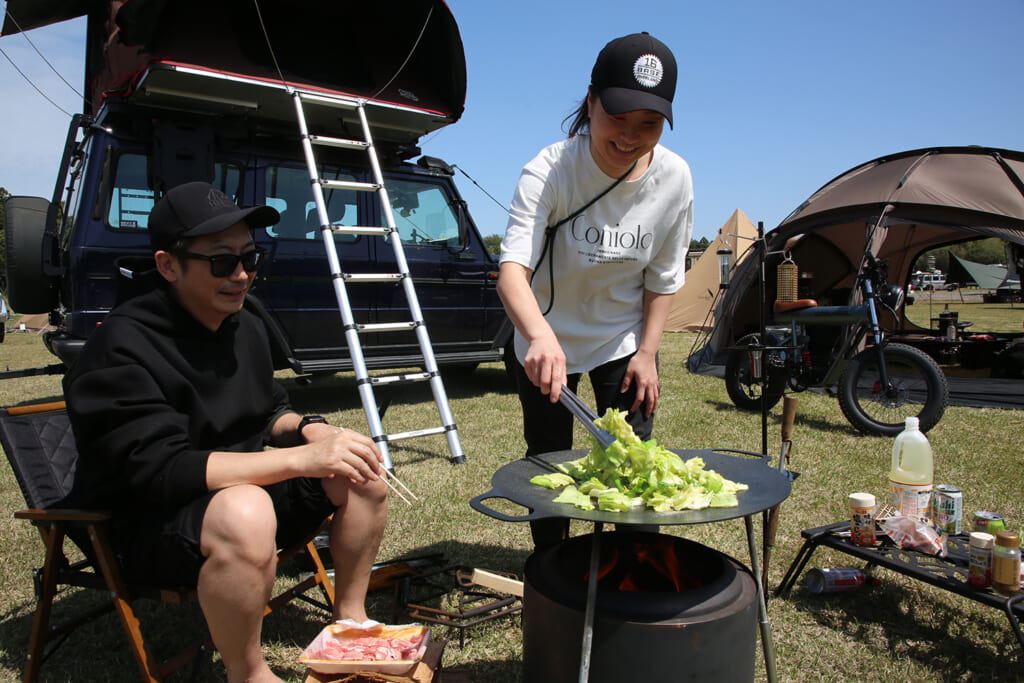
{"x":724,"y":266}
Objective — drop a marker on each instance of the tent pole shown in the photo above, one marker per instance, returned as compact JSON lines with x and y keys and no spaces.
{"x":762,"y":247}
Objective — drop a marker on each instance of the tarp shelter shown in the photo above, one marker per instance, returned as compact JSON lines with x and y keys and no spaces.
{"x":692,"y":305}
{"x":924,"y":199}
{"x":38,"y":321}
{"x":985,"y":276}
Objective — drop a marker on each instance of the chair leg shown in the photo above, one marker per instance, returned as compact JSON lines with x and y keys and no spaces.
{"x":148,"y":666}
{"x":53,"y":540}
{"x":322,"y":578}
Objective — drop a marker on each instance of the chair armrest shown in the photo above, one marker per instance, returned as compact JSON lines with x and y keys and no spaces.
{"x":65,"y":515}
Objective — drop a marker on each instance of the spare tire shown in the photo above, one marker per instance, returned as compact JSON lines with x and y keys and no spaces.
{"x":29,"y":290}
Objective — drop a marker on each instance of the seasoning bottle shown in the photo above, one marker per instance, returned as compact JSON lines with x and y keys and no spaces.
{"x":979,"y":573}
{"x":1006,"y":563}
{"x":910,"y":479}
{"x":862,"y":522}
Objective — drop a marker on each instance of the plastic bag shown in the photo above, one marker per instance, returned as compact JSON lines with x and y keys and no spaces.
{"x":914,"y":533}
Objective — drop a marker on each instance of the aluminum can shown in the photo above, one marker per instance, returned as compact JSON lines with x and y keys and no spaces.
{"x":834,"y":580}
{"x":948,"y":508}
{"x":979,"y":572}
{"x":989,"y":522}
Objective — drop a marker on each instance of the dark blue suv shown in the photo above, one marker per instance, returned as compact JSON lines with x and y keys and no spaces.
{"x":194,"y":90}
{"x":89,"y":254}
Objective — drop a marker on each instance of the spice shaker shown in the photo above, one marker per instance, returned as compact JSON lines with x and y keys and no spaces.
{"x":862,"y":522}
{"x":980,"y":571}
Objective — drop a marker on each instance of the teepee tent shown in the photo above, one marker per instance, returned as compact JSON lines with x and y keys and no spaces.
{"x":692,"y":304}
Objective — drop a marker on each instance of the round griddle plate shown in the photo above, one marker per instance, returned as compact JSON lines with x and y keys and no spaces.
{"x":767,"y":488}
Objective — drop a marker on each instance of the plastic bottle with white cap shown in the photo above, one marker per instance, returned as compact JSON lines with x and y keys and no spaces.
{"x":912,"y":473}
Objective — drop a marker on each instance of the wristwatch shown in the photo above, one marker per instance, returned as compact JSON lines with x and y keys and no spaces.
{"x":307,"y":420}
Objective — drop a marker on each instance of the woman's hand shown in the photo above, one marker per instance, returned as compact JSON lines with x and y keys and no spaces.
{"x":545,"y":365}
{"x":642,"y":372}
{"x":545,"y":359}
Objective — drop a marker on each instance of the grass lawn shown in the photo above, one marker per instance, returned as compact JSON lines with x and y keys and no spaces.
{"x":969,"y":307}
{"x":899,"y":630}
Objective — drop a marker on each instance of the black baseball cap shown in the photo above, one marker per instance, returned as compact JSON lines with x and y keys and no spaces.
{"x":199,"y":208}
{"x":635,"y":72}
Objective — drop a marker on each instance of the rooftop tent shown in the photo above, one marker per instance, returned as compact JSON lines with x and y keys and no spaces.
{"x":926,"y":198}
{"x":407,"y":54}
{"x":693,"y":303}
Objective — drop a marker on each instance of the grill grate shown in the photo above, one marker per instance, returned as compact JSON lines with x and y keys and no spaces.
{"x":449,"y":597}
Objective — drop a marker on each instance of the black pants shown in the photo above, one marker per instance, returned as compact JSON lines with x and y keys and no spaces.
{"x":548,"y":427}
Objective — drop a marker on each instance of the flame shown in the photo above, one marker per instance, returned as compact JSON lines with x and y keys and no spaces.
{"x":605,"y":568}
{"x":630,"y":571}
{"x":664,"y":560}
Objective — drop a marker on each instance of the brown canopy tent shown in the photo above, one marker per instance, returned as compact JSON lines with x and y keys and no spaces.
{"x":925,"y":198}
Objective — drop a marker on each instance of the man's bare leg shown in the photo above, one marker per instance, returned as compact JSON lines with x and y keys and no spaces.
{"x":237,"y":578}
{"x":355,"y":536}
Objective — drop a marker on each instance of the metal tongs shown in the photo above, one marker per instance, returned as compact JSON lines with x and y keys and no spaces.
{"x":585,"y":415}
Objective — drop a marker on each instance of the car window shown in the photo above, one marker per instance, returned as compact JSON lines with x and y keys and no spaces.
{"x":131,"y":199}
{"x":423,"y":214}
{"x":288,"y":191}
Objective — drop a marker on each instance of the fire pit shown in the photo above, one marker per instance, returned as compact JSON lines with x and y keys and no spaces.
{"x":767,"y":488}
{"x":663,"y":604}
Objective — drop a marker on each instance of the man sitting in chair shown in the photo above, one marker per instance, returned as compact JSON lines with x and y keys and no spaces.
{"x":172,"y":402}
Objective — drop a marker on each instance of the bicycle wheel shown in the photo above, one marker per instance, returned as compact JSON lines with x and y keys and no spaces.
{"x":739,"y":377}
{"x":917,"y":387}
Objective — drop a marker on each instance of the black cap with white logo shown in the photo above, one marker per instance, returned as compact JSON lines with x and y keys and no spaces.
{"x":635,"y":72}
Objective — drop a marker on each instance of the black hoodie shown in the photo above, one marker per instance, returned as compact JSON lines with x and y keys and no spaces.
{"x":155,"y":392}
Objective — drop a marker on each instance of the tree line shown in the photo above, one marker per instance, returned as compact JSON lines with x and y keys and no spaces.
{"x":988,"y":251}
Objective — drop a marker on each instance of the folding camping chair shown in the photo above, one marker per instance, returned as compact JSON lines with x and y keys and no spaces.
{"x":40,"y":447}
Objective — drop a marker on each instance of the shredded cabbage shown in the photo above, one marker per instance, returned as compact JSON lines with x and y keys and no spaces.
{"x":572,"y":496}
{"x":632,"y":472}
{"x":554,"y":480}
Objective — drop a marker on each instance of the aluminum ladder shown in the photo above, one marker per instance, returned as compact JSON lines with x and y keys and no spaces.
{"x":389,"y":232}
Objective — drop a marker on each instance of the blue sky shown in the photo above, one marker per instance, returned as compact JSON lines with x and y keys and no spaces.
{"x":773,"y":100}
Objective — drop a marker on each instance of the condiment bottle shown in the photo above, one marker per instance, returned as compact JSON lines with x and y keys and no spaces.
{"x":980,"y":570}
{"x":1006,"y":563}
{"x":910,"y":479}
{"x":862,"y":522}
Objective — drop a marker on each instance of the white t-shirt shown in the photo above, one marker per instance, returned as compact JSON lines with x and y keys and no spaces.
{"x":634,"y":238}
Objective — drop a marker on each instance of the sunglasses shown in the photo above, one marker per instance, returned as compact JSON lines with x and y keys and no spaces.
{"x":224,"y":265}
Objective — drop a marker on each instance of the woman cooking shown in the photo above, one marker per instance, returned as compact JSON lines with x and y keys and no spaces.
{"x":595,"y":249}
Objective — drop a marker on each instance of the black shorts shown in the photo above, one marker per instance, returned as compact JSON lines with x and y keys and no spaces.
{"x":163,"y":550}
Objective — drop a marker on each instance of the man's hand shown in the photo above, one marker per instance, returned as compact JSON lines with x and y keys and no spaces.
{"x":335,"y":451}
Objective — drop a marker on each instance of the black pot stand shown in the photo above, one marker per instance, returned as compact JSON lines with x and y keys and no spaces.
{"x":768,"y":487}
